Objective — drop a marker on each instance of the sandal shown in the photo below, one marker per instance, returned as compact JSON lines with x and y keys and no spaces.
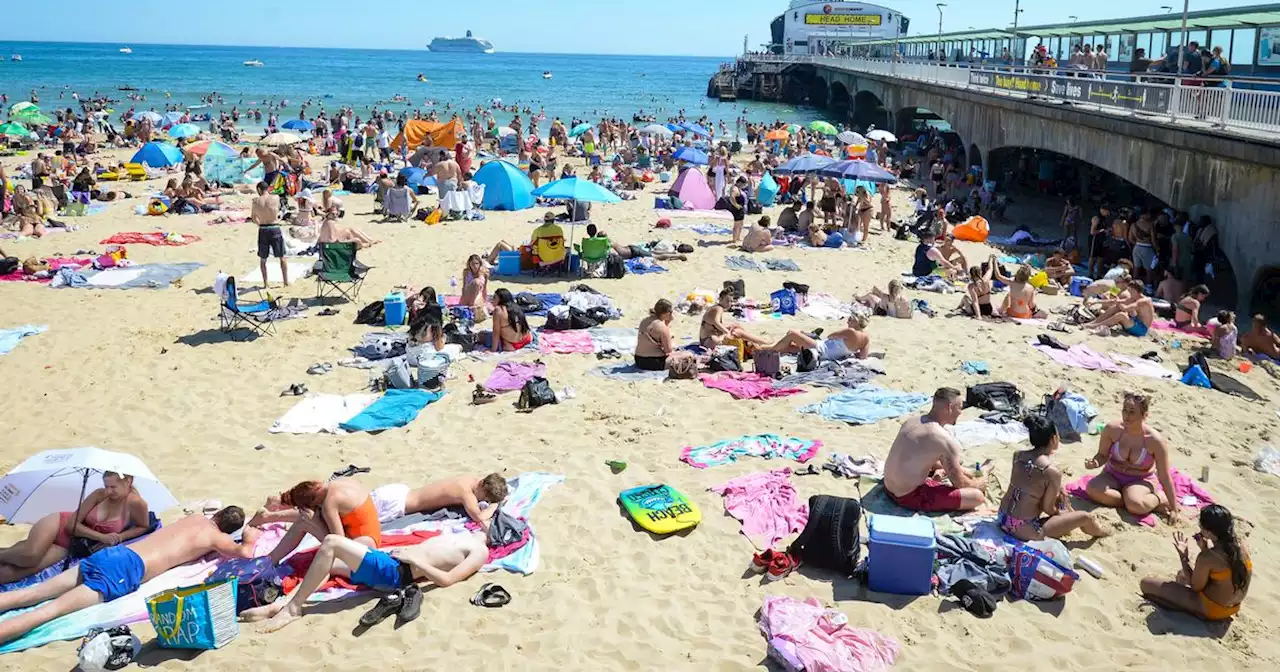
{"x":482,"y":396}
{"x":294,"y":390}
{"x":328,"y":311}
{"x":350,"y":471}
{"x":389,"y":604}
{"x":492,"y":596}
{"x":809,"y":470}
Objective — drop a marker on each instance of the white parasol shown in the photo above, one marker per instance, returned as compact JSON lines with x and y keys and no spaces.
{"x":882,"y":136}
{"x":48,"y":482}
{"x":280,"y":139}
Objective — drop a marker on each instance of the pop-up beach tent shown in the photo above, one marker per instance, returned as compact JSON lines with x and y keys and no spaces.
{"x":158,"y":155}
{"x":691,"y":187}
{"x":431,"y":133}
{"x":506,"y":187}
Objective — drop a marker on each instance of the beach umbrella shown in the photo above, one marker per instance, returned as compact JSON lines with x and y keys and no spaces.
{"x":171,"y":118}
{"x":184,"y":131}
{"x":158,"y":155}
{"x":851,"y":138}
{"x":153,"y":117}
{"x":805,"y":163}
{"x":298,"y":125}
{"x":695,"y":129}
{"x":280,"y":139}
{"x":576,"y":189}
{"x":793,"y":128}
{"x":15,"y":130}
{"x":656,"y":129}
{"x":417,"y":177}
{"x":23,"y":106}
{"x":822,"y":127}
{"x":579,"y":130}
{"x":31,"y":117}
{"x":777,"y":134}
{"x":691,"y":155}
{"x":882,"y":136}
{"x":506,"y":187}
{"x":211,"y":148}
{"x":857,"y":169}
{"x":49,"y":481}
{"x":505,"y":131}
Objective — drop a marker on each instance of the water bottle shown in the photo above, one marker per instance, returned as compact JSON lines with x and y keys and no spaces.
{"x":453,"y":283}
{"x":1089,"y":566}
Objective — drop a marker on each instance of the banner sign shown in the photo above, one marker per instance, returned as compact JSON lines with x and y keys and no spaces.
{"x":1126,"y":95}
{"x":843,"y":19}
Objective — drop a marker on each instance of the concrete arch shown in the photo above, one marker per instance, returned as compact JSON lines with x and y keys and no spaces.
{"x":840,"y":102}
{"x":818,"y":93}
{"x":869,"y":110}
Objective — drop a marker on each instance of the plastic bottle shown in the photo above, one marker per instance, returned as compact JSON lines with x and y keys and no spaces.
{"x":1089,"y":566}
{"x":1176,"y":344}
{"x":1096,"y":428}
{"x":453,"y":282}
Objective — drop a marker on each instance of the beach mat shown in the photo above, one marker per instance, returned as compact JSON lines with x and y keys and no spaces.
{"x":626,"y":372}
{"x":298,"y":270}
{"x":149,"y":276}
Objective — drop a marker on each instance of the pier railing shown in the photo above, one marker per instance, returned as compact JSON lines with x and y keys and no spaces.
{"x":1233,"y":103}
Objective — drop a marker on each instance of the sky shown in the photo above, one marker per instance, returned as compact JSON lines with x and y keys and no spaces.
{"x":665,"y":27}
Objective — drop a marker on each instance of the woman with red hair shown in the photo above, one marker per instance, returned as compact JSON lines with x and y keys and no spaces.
{"x":342,"y":506}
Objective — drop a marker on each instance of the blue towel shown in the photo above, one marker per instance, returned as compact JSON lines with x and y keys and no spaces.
{"x":741,"y":263}
{"x":643,"y":266}
{"x":627,"y":372}
{"x":781,"y":265}
{"x":866,"y":405}
{"x":710,"y":230}
{"x":975,"y":367}
{"x":548,"y":299}
{"x":396,"y":408}
{"x":9,"y":337}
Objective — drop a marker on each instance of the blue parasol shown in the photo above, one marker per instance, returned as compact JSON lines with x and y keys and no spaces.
{"x":805,"y":163}
{"x":857,"y":169}
{"x":691,"y":155}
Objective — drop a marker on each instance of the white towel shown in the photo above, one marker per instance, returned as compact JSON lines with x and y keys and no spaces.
{"x":317,"y":413}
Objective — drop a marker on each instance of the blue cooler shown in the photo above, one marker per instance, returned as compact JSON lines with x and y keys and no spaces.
{"x":1078,"y":284}
{"x":575,"y":263}
{"x":508,"y":264}
{"x":900,"y":554}
{"x":396,"y":310}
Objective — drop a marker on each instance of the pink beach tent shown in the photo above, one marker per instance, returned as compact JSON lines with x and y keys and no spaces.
{"x":691,"y":187}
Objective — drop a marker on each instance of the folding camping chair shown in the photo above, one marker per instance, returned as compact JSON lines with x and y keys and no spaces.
{"x":234,"y":315}
{"x":338,"y":272}
{"x":592,"y":253}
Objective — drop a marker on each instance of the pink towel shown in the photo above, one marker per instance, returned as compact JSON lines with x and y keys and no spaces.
{"x":566,"y":342}
{"x":766,"y":504}
{"x":821,"y":640}
{"x":1080,"y":356}
{"x":1182,"y":485}
{"x":746,"y":385}
{"x":1168,"y":325}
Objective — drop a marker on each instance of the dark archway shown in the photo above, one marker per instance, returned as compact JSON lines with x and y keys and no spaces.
{"x":912,"y":122}
{"x":869,"y":110}
{"x":1265,"y":299}
{"x":840,"y":101}
{"x":817,"y":94}
{"x":975,"y":156}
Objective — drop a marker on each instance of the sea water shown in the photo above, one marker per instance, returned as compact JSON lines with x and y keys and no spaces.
{"x":582,"y":86}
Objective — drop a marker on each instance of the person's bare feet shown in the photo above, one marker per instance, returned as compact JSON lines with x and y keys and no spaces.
{"x":285,"y":617}
{"x":262,"y":613}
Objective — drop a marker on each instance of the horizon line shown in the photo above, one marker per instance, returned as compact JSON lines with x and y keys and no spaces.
{"x":415,"y":50}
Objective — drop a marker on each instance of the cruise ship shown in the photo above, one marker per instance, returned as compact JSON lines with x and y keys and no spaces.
{"x":461,"y":45}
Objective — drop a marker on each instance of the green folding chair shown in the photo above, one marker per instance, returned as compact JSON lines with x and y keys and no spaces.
{"x":593,"y":252}
{"x":339,"y":273}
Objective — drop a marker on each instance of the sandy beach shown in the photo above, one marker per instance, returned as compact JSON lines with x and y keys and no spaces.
{"x":145,"y":371}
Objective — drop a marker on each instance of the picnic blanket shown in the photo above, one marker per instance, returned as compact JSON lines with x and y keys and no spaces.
{"x":743,"y":385}
{"x":626,"y":372}
{"x":1183,"y":486}
{"x":511,"y":376}
{"x":317,"y":413}
{"x":153,"y":238}
{"x":866,"y":405}
{"x":147,"y":276}
{"x":767,"y":446}
{"x":9,"y":338}
{"x":565,"y":342}
{"x":396,"y":408}
{"x":766,"y":504}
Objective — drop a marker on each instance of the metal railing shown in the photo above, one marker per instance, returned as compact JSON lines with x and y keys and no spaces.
{"x":1230,"y":103}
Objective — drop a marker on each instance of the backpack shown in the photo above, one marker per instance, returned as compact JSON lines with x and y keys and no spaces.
{"x":994,"y":397}
{"x":767,"y":363}
{"x":1055,"y":409}
{"x":586,"y":319}
{"x":738,"y":286}
{"x":614,"y":267}
{"x":724,"y":362}
{"x":558,"y":319}
{"x":528,"y":303}
{"x":536,"y":392}
{"x":830,"y":539}
{"x":807,"y":360}
{"x":374,"y":313}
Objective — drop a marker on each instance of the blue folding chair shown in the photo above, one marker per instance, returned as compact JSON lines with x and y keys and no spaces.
{"x":233,"y":315}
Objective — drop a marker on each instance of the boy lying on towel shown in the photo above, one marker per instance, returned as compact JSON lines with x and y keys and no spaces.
{"x":395,"y":500}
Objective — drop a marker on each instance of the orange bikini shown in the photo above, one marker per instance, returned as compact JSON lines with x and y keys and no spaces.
{"x":1214,"y":611}
{"x":363,"y":522}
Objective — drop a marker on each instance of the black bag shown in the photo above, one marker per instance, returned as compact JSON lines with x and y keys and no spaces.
{"x":738,"y":286}
{"x":559,"y":320}
{"x":724,"y":362}
{"x":528,"y":303}
{"x":9,"y":265}
{"x":830,"y":539}
{"x":374,"y":313}
{"x":83,"y":547}
{"x":767,"y":363}
{"x":994,"y":397}
{"x":586,"y":319}
{"x":807,"y":360}
{"x":536,"y":392}
{"x":465,"y":339}
{"x":614,"y":267}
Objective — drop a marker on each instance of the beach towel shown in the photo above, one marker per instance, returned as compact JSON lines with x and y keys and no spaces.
{"x":396,"y":408}
{"x":826,"y":307}
{"x":113,"y":277}
{"x":9,"y":338}
{"x":766,"y":504}
{"x":739,"y":262}
{"x":1082,"y":356}
{"x":781,"y":265}
{"x":626,"y":372}
{"x":1168,"y":325}
{"x":767,"y":446}
{"x":1183,"y":486}
{"x":1142,"y":367}
{"x":743,"y":385}
{"x":55,"y":264}
{"x":807,"y":633}
{"x":642,"y":266}
{"x":317,"y":413}
{"x":511,"y":376}
{"x":975,"y":433}
{"x":866,"y":405}
{"x":705,"y":229}
{"x":154,"y":238}
{"x":297,"y":271}
{"x":694,"y":214}
{"x":147,"y":276}
{"x":846,"y":374}
{"x":565,"y":342}
{"x":619,"y":339}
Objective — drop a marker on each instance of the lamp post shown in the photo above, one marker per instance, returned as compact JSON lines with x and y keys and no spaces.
{"x":1016,"y":56}
{"x":940,"y":6}
{"x":1182,"y":50}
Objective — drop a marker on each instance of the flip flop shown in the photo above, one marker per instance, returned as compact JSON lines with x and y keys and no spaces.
{"x":492,"y":596}
{"x":481,"y":396}
{"x":809,"y":470}
{"x":389,"y":604}
{"x":295,"y":390}
{"x":351,"y":470}
{"x":328,"y":311}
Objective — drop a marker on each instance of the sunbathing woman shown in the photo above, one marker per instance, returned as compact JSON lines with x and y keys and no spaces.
{"x":893,"y":304}
{"x":714,"y":331}
{"x":1020,"y":302}
{"x":110,"y":515}
{"x":1186,"y":311}
{"x":1135,"y":457}
{"x":1035,"y":505}
{"x":1215,"y":586}
{"x":653,"y":343}
{"x":331,"y":232}
{"x":510,"y":329}
{"x":840,"y":344}
{"x":1135,"y":316}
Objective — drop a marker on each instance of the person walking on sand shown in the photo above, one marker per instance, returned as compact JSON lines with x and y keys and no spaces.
{"x":448,"y":175}
{"x":923,"y":452}
{"x":264,"y":212}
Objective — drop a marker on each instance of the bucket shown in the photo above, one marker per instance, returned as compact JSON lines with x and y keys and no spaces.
{"x":395,"y":309}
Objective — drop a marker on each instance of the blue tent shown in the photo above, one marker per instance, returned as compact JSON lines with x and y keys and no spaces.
{"x":506,"y":187}
{"x":767,"y":193}
{"x":158,"y":155}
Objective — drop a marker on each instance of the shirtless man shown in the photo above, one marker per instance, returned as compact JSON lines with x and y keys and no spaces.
{"x":117,"y":571}
{"x":264,"y":212}
{"x":1134,"y":316}
{"x":951,"y":253}
{"x":1261,"y":340}
{"x":714,"y":331}
{"x":921,"y":448}
{"x":270,"y":165}
{"x":447,"y":174}
{"x":443,"y":560}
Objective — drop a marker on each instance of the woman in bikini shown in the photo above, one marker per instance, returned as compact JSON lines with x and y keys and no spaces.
{"x":475,"y":285}
{"x":1020,"y":302}
{"x":1215,"y":586}
{"x":738,"y":207}
{"x":862,"y":201}
{"x":1186,"y":313}
{"x":892,"y":303}
{"x":1035,"y":505}
{"x":831,"y":202}
{"x":342,"y":506}
{"x":839,"y":344}
{"x":1133,"y":457}
{"x":714,"y":331}
{"x":510,"y":330}
{"x":110,"y":515}
{"x":653,"y":343}
{"x":977,"y":297}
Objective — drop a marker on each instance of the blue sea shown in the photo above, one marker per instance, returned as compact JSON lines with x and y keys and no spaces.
{"x":583,"y":86}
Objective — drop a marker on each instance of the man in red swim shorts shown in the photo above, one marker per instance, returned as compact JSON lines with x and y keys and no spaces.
{"x":924,"y":446}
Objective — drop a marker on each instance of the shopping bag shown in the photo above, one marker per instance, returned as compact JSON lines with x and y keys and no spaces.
{"x":195,"y":617}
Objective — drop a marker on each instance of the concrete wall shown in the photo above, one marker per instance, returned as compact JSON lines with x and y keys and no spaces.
{"x":1237,"y":182}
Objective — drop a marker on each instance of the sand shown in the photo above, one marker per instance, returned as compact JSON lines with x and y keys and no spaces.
{"x":145,"y":371}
